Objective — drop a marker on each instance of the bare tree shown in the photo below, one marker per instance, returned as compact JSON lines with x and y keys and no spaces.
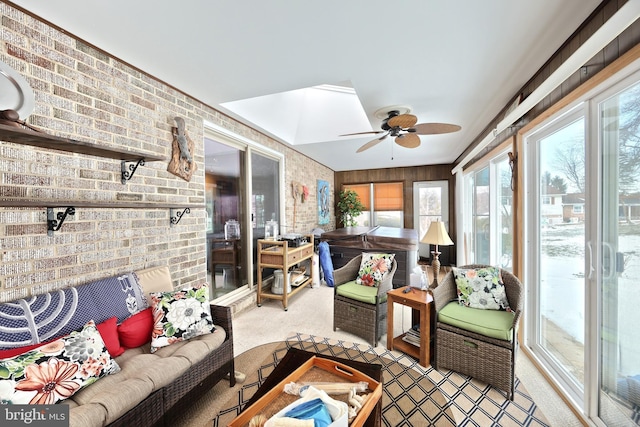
{"x":569,"y":159}
{"x":629,"y":140}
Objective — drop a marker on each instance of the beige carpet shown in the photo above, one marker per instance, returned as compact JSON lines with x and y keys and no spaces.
{"x":413,"y":395}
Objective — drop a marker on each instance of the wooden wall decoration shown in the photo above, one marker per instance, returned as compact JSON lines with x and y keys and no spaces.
{"x":181,"y":163}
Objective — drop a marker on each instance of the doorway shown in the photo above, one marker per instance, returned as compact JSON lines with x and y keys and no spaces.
{"x":583,"y":229}
{"x":243,"y":188}
{"x":431,"y":203}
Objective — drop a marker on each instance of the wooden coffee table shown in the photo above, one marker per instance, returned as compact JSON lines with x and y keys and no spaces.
{"x":295,"y":357}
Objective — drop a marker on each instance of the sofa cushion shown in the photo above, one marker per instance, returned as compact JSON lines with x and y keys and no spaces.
{"x":366,"y":294}
{"x":491,"y":323}
{"x":41,"y":318}
{"x":89,"y":415}
{"x":136,"y":330}
{"x":109,"y":333}
{"x":180,"y":315}
{"x":140,"y":371}
{"x":119,"y":296}
{"x":56,"y":371}
{"x":374,"y":268}
{"x":155,"y":279}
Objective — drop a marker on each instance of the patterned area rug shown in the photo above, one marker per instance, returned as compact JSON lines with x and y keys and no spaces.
{"x":412,"y":395}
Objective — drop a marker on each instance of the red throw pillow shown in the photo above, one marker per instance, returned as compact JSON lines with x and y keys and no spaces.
{"x":136,"y":330}
{"x":109,"y":332}
{"x":6,"y":354}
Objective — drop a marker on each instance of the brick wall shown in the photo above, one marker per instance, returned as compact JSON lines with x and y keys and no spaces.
{"x":84,"y":94}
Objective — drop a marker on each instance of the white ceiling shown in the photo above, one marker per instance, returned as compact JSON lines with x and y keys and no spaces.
{"x":260,"y":62}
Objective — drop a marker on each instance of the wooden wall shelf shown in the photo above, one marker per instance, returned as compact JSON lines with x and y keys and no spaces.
{"x":129,"y":159}
{"x":44,"y":140}
{"x":93,"y":204}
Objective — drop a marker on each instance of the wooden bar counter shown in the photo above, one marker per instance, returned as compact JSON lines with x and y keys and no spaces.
{"x":348,"y":242}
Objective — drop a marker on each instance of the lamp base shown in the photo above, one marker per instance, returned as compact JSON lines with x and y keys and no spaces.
{"x":435,"y":267}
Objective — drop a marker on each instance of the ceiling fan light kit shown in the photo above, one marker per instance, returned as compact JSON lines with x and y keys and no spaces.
{"x":397,"y":122}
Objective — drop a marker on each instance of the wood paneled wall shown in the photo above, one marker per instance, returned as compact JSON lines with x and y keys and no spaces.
{"x":408,"y":176}
{"x":615,"y":49}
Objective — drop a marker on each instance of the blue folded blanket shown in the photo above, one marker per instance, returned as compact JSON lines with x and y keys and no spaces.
{"x":314,"y":409}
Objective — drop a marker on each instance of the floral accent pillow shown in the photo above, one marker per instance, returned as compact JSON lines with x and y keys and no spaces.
{"x":180,"y":315}
{"x":481,"y":288}
{"x":57,"y":370}
{"x":374,"y":268}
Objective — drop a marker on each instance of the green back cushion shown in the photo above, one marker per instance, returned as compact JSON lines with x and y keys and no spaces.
{"x":491,"y":323}
{"x":366,"y":294}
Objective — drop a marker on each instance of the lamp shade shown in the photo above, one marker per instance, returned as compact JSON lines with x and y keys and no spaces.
{"x":437,"y":235}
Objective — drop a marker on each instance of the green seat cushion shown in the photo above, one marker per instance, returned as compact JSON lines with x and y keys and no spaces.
{"x":491,"y":323}
{"x":366,"y":294}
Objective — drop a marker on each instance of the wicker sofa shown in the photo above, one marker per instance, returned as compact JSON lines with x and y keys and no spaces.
{"x":485,"y":348}
{"x":153,"y":388}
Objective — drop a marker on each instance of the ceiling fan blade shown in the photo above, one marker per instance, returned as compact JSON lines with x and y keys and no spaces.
{"x":371,"y":143}
{"x":363,"y":133}
{"x":435,"y":128}
{"x":408,"y":140}
{"x":402,"y":121}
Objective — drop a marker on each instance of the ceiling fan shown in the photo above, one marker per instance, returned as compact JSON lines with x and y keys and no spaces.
{"x":405,"y":130}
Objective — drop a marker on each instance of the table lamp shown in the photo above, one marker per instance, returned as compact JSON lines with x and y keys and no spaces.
{"x":436,"y":235}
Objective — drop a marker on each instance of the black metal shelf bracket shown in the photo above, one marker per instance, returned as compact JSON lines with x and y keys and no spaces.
{"x":54,"y":222}
{"x":129,"y":168}
{"x":176,"y":215}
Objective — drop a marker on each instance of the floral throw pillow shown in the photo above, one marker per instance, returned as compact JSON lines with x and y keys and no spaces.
{"x":374,"y":268}
{"x":180,"y":315}
{"x":481,"y":288}
{"x":57,"y":370}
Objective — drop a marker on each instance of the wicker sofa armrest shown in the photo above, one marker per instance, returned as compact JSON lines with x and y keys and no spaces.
{"x":445,"y":292}
{"x":347,"y":272}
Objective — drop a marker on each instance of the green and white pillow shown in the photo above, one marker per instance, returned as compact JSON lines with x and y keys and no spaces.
{"x":180,"y":315}
{"x":481,"y":288}
{"x":57,"y":370}
{"x":374,"y":267}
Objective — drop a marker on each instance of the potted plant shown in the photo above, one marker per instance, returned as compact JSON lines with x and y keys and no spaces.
{"x":349,"y":206}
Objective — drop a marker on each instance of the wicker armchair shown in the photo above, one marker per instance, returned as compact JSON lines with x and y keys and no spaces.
{"x":366,"y":320}
{"x":485,"y":358}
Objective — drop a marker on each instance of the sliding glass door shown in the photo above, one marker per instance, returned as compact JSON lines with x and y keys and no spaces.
{"x":243,"y":188}
{"x":583,"y":256}
{"x":617,"y":276}
{"x":558,"y":230}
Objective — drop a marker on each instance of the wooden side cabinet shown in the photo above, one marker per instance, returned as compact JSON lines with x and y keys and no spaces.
{"x":278,"y":255}
{"x":421,"y":303}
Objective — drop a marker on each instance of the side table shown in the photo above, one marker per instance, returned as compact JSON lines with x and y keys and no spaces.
{"x":420,"y":303}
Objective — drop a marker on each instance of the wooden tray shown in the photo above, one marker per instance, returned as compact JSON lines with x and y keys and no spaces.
{"x":316,"y":369}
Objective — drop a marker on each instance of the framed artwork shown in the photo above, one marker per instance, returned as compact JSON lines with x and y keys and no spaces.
{"x":323,"y":202}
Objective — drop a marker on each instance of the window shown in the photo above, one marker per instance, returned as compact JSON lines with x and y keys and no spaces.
{"x":383,"y":203}
{"x":487,"y":219}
